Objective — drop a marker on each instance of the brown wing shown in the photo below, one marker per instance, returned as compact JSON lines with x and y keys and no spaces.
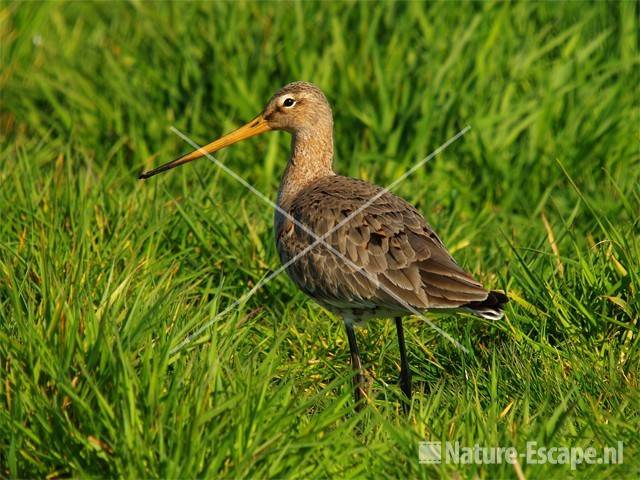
{"x":389,"y":245}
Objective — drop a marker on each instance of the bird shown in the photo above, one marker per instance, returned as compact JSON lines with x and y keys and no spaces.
{"x":356,"y":249}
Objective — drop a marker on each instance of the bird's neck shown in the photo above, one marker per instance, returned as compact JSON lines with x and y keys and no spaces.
{"x":311,"y":159}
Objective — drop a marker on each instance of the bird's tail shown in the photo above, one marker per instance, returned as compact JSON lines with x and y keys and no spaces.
{"x":489,"y":308}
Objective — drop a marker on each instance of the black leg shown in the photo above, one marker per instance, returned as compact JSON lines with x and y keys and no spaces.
{"x":358,"y":378}
{"x":405,"y":373}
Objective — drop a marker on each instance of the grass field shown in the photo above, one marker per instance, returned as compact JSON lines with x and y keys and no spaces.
{"x":104,"y":277}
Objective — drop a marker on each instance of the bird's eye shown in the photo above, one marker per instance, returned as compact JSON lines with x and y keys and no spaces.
{"x":289,"y":102}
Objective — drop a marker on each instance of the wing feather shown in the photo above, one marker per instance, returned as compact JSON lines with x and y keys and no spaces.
{"x":394,"y":257}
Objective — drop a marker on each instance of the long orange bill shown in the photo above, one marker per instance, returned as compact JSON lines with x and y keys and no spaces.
{"x":255,"y":127}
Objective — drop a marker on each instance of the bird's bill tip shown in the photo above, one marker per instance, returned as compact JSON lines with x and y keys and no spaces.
{"x":255,"y":127}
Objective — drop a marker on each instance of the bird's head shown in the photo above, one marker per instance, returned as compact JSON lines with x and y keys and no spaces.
{"x":298,"y":108}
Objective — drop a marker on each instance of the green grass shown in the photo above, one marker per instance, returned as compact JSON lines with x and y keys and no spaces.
{"x":103,"y":276}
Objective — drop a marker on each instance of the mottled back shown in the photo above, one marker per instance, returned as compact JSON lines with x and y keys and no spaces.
{"x":388,"y":244}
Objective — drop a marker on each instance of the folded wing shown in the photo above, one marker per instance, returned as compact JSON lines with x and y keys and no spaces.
{"x":389,"y":257}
